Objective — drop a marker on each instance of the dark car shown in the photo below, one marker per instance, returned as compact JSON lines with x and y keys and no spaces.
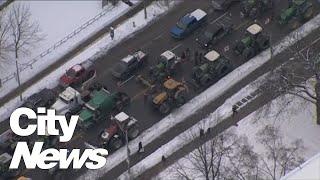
{"x":44,"y":98}
{"x":222,"y":5}
{"x":188,"y":24}
{"x":126,"y":66}
{"x":212,"y":35}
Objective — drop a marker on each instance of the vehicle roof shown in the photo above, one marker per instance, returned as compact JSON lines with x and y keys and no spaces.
{"x":69,"y":93}
{"x":198,"y":14}
{"x":4,"y":158}
{"x":127,"y":59}
{"x":254,"y":29}
{"x":76,"y":68}
{"x":212,"y":55}
{"x":98,"y":98}
{"x":168,"y":54}
{"x":121,"y":117}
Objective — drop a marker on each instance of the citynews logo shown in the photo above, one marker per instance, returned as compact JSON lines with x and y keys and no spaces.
{"x":49,"y":158}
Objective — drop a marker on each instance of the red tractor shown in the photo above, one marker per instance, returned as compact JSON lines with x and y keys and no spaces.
{"x":122,"y":129}
{"x":79,"y":76}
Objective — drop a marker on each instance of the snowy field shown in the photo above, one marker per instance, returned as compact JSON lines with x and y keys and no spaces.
{"x":296,"y":122}
{"x":63,"y":25}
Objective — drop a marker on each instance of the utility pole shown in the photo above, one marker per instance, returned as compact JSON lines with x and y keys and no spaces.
{"x":145,"y":9}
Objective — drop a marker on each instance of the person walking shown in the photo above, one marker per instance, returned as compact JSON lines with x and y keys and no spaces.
{"x":140,"y":149}
{"x":234,"y":110}
{"x":112,"y":33}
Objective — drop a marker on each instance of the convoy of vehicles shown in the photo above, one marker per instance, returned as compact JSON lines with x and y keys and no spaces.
{"x":126,"y":66}
{"x":94,"y":103}
{"x":188,"y":24}
{"x":253,"y":43}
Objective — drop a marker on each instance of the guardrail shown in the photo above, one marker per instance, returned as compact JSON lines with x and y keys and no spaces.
{"x":30,"y":63}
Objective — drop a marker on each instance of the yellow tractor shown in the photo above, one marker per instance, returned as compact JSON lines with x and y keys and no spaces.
{"x":172,"y":95}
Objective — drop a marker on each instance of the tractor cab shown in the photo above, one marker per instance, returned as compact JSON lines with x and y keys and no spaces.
{"x":167,"y":58}
{"x":254,"y":30}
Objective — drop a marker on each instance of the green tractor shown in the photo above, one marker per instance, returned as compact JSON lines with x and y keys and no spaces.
{"x":102,"y":103}
{"x":166,"y":66}
{"x":5,"y":172}
{"x":214,"y":67}
{"x":255,"y":8}
{"x":298,"y":12}
{"x":253,"y":43}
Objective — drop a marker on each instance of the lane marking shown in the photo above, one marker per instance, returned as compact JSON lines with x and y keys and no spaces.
{"x":158,"y":37}
{"x":215,"y":20}
{"x":176,"y":47}
{"x":124,"y":82}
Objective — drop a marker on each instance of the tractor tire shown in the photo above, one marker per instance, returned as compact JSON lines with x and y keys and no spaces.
{"x":164,"y":108}
{"x":294,"y":23}
{"x":133,"y":132}
{"x":263,"y":42}
{"x":205,"y":80}
{"x":123,"y":99}
{"x":115,"y":143}
{"x":248,"y":53}
{"x":239,"y":48}
{"x":197,"y":73}
{"x":180,"y":97}
{"x":308,"y":13}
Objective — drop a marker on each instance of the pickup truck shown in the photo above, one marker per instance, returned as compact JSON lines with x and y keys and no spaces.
{"x":188,"y":24}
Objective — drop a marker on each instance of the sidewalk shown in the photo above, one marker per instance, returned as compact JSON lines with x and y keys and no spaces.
{"x":68,"y":56}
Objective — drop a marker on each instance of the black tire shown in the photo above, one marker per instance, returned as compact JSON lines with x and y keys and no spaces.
{"x":115,"y":143}
{"x":294,"y":23}
{"x":239,"y":48}
{"x":248,"y":53}
{"x":263,"y":42}
{"x":164,"y":108}
{"x":308,"y":13}
{"x":133,"y":132}
{"x":205,"y":80}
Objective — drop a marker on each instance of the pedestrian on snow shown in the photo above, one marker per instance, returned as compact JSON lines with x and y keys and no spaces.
{"x":234,"y":110}
{"x":196,"y":54}
{"x":141,"y":149}
{"x":163,"y":159}
{"x":112,"y":32}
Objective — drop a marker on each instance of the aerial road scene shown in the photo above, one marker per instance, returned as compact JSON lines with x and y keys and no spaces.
{"x":160,"y":90}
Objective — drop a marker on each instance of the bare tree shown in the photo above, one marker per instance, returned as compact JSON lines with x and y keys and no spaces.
{"x":24,"y":32}
{"x":218,"y":159}
{"x":279,"y":157}
{"x":293,"y":78}
{"x":4,"y":37}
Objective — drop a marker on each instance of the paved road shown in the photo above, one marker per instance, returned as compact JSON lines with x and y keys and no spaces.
{"x":263,"y":99}
{"x":154,"y":40}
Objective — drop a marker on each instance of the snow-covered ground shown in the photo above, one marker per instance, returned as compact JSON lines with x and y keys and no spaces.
{"x":296,"y":122}
{"x":63,"y":24}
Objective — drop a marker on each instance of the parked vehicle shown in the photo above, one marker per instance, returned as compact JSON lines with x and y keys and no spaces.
{"x":126,"y":66}
{"x":212,"y":69}
{"x":222,"y":5}
{"x":253,"y":43}
{"x":69,"y":102}
{"x":102,"y":104}
{"x":188,"y":24}
{"x":44,"y":98}
{"x":79,"y":76}
{"x":172,"y":94}
{"x":166,"y":66}
{"x":255,"y":8}
{"x":298,"y":12}
{"x":212,"y":35}
{"x":114,"y":136}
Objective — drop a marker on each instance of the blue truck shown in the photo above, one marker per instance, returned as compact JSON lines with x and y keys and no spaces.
{"x":188,"y":24}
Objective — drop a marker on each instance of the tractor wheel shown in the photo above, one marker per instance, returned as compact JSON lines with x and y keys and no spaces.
{"x":248,"y":53}
{"x":294,"y":23}
{"x":205,"y":80}
{"x":164,"y":108}
{"x":308,"y":13}
{"x":263,"y":42}
{"x":197,"y":73}
{"x":239,"y":48}
{"x":123,"y":100}
{"x":115,"y":143}
{"x":133,"y":132}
